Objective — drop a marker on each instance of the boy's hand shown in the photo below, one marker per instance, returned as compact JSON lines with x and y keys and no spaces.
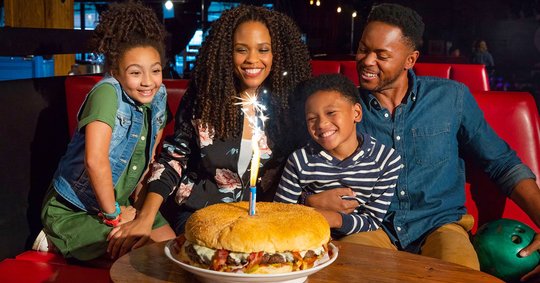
{"x":332,"y":200}
{"x":128,"y":213}
{"x":333,"y":218}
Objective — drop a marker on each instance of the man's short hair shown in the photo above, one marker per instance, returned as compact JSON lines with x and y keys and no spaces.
{"x":405,"y":18}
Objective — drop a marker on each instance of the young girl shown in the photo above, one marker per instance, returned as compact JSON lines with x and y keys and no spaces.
{"x":87,"y":211}
{"x":249,"y":51}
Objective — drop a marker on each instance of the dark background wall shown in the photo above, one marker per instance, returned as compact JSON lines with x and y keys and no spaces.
{"x":33,"y":137}
{"x":509,"y":27}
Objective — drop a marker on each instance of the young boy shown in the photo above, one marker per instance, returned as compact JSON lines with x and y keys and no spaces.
{"x":336,"y":157}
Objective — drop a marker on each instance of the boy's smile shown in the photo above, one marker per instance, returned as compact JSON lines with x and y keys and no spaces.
{"x":331,"y":121}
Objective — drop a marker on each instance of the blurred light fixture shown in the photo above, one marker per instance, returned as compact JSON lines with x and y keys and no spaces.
{"x":168,"y":4}
{"x":310,"y":2}
{"x":354,"y":14}
{"x":318,"y":3}
{"x":339,"y":9}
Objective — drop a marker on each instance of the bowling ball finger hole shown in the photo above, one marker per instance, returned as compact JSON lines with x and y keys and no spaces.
{"x":516,"y":239}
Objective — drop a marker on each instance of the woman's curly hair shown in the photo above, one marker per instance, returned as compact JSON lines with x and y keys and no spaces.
{"x":214,"y":86}
{"x":124,"y":26}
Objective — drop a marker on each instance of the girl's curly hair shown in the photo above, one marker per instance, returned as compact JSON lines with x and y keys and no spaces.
{"x":124,"y":26}
{"x":214,"y":87}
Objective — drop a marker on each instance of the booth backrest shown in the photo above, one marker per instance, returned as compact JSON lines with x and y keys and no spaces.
{"x":472,"y":75}
{"x":432,"y":69}
{"x":77,"y":87}
{"x":348,"y":69}
{"x":319,"y":67}
{"x":514,"y":117}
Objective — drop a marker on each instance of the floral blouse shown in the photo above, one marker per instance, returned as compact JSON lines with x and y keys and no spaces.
{"x":204,"y":170}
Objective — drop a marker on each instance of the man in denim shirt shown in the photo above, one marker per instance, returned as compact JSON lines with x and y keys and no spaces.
{"x":430,"y":122}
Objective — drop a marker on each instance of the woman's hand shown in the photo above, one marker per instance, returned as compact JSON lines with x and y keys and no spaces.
{"x":533,"y":247}
{"x":128,"y":236}
{"x":332,"y":200}
{"x":128,"y":214}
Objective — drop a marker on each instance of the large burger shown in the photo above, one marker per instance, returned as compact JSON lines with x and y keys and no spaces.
{"x":278,"y":238}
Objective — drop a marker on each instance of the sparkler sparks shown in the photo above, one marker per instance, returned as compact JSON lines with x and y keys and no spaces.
{"x":250,"y":105}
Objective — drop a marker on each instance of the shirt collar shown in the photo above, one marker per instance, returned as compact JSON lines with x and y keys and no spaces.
{"x":316,"y":149}
{"x":371,"y":102}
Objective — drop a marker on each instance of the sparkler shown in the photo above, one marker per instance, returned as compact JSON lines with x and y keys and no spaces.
{"x":258,"y":114}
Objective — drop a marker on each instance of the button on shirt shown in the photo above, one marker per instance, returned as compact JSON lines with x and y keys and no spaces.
{"x":438,"y":120}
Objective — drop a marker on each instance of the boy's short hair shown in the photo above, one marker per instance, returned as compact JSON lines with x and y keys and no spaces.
{"x":330,"y":82}
{"x":405,"y":18}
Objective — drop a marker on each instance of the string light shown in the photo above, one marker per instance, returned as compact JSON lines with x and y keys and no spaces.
{"x":310,"y":2}
{"x":339,"y":9}
{"x":168,"y":5}
{"x":318,"y":3}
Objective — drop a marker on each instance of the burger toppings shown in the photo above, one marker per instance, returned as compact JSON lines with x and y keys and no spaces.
{"x":223,"y":260}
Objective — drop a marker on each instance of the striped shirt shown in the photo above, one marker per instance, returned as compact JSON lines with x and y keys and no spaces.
{"x":371,"y":172}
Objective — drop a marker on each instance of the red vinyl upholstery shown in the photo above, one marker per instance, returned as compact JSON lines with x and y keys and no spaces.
{"x":432,"y":69}
{"x":76,"y":89}
{"x":319,"y":67}
{"x":41,"y":257}
{"x":514,"y":117}
{"x":348,"y":69}
{"x":16,"y":271}
{"x":472,"y":75}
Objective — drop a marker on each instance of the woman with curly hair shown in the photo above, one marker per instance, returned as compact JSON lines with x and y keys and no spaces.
{"x":88,"y":211}
{"x":249,"y":52}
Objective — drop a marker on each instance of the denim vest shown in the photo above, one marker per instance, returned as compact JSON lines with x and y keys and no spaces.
{"x":71,"y":178}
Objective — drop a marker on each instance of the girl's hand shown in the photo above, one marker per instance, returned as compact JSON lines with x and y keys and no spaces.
{"x":128,"y":236}
{"x":332,"y":200}
{"x":128,"y":214}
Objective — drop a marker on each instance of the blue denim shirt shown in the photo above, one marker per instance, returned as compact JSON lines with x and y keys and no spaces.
{"x":71,"y":179}
{"x":437,"y":123}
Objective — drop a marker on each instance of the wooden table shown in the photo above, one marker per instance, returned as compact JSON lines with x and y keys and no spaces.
{"x":354,"y":263}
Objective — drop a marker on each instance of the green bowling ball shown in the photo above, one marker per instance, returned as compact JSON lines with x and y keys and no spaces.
{"x":498,"y":243}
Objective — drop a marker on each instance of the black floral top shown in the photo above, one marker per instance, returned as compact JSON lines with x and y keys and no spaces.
{"x":204,"y":170}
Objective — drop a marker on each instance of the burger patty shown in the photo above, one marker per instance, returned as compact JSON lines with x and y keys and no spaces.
{"x":266,"y":258}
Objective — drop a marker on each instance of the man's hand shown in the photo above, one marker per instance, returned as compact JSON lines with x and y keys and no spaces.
{"x":533,"y":247}
{"x":332,"y":200}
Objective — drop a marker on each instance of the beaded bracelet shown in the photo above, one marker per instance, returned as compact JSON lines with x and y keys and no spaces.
{"x":113,"y":215}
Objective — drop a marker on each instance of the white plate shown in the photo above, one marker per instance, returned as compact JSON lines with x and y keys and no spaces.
{"x":207,"y":276}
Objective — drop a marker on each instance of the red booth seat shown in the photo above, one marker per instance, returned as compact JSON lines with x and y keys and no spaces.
{"x":472,"y":75}
{"x":432,"y":69}
{"x":319,"y":67}
{"x":514,"y":117}
{"x":348,"y":69}
{"x":16,"y":271}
